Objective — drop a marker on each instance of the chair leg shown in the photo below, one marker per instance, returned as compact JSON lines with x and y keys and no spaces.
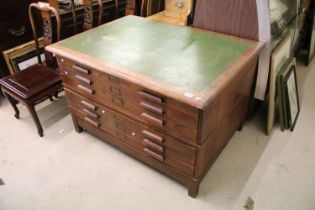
{"x":56,"y":94}
{"x":31,"y":108}
{"x":13,"y":102}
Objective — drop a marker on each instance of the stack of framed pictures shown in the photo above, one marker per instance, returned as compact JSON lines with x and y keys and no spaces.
{"x":279,"y":57}
{"x":288,"y":97}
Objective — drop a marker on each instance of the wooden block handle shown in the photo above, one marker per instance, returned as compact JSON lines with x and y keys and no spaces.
{"x":152,"y":136}
{"x":86,"y":89}
{"x":88,"y":105}
{"x":83,"y":79}
{"x":153,"y":145}
{"x":153,"y":154}
{"x":81,"y":69}
{"x":152,"y":108}
{"x":91,"y":114}
{"x":92,"y":122}
{"x":152,"y":119}
{"x":151,"y":97}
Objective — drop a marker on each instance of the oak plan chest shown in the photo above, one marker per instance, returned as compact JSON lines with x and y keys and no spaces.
{"x":167,"y":95}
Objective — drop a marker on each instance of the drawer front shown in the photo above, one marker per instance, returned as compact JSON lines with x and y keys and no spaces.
{"x":163,"y":113}
{"x":143,"y":138}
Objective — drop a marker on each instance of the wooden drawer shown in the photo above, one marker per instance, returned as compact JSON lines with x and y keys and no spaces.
{"x":163,"y":113}
{"x":143,"y":138}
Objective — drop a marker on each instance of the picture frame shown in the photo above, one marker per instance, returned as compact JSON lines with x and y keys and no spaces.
{"x":311,"y":37}
{"x":281,"y":99}
{"x":279,"y":59}
{"x":22,"y":53}
{"x":292,"y":97}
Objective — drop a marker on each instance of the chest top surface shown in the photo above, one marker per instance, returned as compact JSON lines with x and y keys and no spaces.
{"x":184,"y":59}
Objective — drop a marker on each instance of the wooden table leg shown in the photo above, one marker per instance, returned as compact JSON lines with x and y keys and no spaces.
{"x":31,"y":108}
{"x":13,"y":102}
{"x":193,"y":188}
{"x":76,"y":125}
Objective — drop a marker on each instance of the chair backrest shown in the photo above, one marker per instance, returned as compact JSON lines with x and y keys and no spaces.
{"x":55,"y":4}
{"x":131,"y":6}
{"x":74,"y":16}
{"x":101,"y":11}
{"x":233,"y":17}
{"x":89,"y":20}
{"x":46,"y":11}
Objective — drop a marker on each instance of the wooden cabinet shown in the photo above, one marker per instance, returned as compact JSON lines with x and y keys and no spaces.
{"x":175,"y":129}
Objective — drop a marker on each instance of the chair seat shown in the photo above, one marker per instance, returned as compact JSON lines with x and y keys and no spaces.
{"x":31,"y":81}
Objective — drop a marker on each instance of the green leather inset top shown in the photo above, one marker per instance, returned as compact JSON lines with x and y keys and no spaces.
{"x":181,"y":56}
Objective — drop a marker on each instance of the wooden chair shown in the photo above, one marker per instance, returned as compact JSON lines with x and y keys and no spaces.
{"x":101,"y":11}
{"x":38,"y":82}
{"x":55,"y":4}
{"x":89,"y":20}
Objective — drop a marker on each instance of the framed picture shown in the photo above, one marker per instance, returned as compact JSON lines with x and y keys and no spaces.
{"x":292,"y":97}
{"x":22,"y":56}
{"x":279,"y":59}
{"x":311,"y":41}
{"x":288,"y":99}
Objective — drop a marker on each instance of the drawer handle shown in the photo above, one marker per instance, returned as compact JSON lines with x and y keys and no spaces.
{"x":86,"y":89}
{"x":84,"y":80}
{"x":153,"y":145}
{"x":91,"y":114}
{"x":92,"y":122}
{"x":152,"y":108}
{"x":153,"y":154}
{"x":151,"y":97}
{"x":152,"y":119}
{"x":152,"y":136}
{"x":81,"y":69}
{"x":88,"y":105}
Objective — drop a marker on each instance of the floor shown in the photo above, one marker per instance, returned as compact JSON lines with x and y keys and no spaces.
{"x":70,"y":171}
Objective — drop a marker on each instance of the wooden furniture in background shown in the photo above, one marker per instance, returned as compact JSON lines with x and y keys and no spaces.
{"x":15,"y":28}
{"x":109,"y":13}
{"x":40,"y":81}
{"x":90,"y":20}
{"x":150,"y":7}
{"x":176,"y":12}
{"x":131,"y":7}
{"x":173,"y":106}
